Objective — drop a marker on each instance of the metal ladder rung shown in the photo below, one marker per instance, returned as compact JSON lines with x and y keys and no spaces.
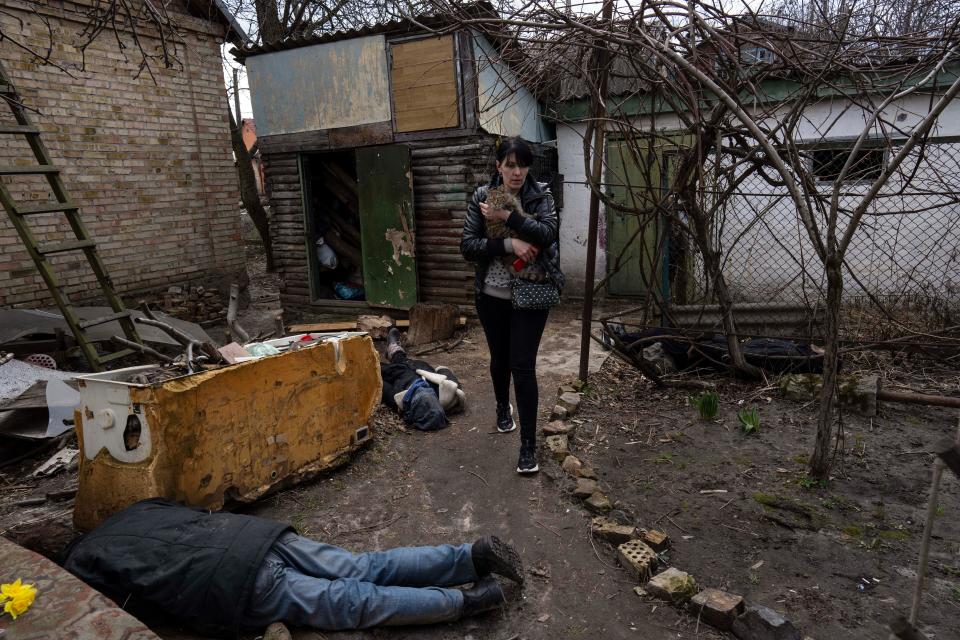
{"x":18,"y":128}
{"x":47,"y":208}
{"x":86,"y":324}
{"x":66,"y":246}
{"x":36,"y":169}
{"x":116,"y":355}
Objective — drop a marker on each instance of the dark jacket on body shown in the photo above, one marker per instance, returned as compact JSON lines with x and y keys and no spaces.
{"x":193,"y":565}
{"x":542,"y":230}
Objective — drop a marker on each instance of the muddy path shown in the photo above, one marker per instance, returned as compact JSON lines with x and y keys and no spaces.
{"x":412,"y":488}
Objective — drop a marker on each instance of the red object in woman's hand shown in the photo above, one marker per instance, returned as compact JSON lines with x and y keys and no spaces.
{"x":520,"y":263}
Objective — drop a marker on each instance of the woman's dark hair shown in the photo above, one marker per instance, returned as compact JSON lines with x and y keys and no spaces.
{"x":516,"y":145}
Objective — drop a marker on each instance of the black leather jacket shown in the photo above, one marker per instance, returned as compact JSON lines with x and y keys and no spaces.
{"x":195,"y":566}
{"x":540,"y":230}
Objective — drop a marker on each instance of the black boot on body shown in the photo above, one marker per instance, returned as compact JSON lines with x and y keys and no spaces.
{"x":528,"y":458}
{"x":484,"y":595}
{"x":505,"y":421}
{"x":490,"y":554}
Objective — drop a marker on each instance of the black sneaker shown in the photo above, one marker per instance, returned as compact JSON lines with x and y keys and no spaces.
{"x":490,"y":554}
{"x":505,"y":421}
{"x":528,"y":459}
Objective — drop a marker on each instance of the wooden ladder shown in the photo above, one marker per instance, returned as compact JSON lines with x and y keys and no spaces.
{"x":81,"y":241}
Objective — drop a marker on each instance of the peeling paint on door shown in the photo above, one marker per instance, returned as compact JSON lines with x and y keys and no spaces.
{"x":386,"y":226}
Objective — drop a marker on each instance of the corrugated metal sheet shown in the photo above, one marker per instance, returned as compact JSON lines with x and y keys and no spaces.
{"x":326,"y":86}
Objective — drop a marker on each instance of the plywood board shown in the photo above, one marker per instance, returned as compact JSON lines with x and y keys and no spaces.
{"x":424,"y":84}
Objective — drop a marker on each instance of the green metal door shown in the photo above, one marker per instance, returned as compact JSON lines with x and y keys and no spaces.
{"x":385,"y":185}
{"x":631,"y":238}
{"x":639,"y":242}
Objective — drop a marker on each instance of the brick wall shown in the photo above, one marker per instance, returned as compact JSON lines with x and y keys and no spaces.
{"x":149,"y":162}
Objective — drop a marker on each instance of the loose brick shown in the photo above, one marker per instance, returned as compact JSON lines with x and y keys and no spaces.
{"x":585,"y":488}
{"x":612,"y":532}
{"x":673,"y":586}
{"x":569,"y":401}
{"x":558,"y":428}
{"x":572,"y":465}
{"x":637,"y":556}
{"x":558,"y":447}
{"x":658,"y":540}
{"x":598,"y":503}
{"x":717,"y":608}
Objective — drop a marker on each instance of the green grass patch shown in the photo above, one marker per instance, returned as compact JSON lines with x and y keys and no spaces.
{"x":893,"y":534}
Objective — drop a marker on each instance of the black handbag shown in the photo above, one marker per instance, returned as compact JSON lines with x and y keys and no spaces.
{"x":526,"y":294}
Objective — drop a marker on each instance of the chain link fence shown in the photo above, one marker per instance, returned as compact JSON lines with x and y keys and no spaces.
{"x":902,"y":269}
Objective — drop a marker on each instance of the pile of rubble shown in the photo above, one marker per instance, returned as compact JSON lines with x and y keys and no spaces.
{"x":194,"y":304}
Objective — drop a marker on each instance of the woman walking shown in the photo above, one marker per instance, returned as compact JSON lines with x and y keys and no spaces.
{"x":511,"y":233}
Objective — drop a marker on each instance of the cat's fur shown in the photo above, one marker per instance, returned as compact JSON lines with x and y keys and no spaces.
{"x":500,"y":198}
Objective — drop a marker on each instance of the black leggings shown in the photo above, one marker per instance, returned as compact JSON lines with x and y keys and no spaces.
{"x":513,"y":337}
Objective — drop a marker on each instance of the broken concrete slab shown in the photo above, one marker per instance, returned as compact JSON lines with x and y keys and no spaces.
{"x":558,"y":446}
{"x":558,"y":428}
{"x":598,"y":503}
{"x":571,"y":465}
{"x":612,"y":532}
{"x":717,"y":608}
{"x":672,"y":585}
{"x":657,"y":540}
{"x":65,"y":607}
{"x":585,"y":488}
{"x":569,"y":401}
{"x":638,"y":557}
{"x":763,"y":623}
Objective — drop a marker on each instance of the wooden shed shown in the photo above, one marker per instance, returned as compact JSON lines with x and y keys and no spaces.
{"x":373,"y":142}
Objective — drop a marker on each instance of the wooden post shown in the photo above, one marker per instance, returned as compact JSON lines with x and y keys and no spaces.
{"x":598,"y":110}
{"x":938,"y":467}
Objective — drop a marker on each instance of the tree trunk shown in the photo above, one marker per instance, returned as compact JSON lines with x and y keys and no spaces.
{"x":821,"y":461}
{"x":268,"y":21}
{"x":432,"y":322}
{"x":738,"y":362}
{"x":248,"y":189}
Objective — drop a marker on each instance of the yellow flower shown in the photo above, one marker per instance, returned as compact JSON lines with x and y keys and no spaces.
{"x":17,"y":597}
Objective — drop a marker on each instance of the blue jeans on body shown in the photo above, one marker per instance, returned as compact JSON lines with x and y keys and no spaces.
{"x":312,"y":584}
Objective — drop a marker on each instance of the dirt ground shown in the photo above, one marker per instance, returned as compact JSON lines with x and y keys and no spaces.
{"x":838,"y":562}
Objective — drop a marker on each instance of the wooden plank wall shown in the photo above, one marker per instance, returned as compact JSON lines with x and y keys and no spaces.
{"x":287,"y":227}
{"x":445,"y":173}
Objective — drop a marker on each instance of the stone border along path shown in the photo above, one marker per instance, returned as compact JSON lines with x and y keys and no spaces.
{"x":640,"y":551}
